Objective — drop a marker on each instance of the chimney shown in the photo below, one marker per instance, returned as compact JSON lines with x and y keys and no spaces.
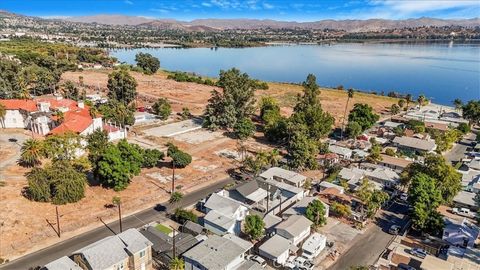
{"x":81,"y":105}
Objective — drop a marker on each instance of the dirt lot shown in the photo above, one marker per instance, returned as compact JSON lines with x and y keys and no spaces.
{"x":195,"y":96}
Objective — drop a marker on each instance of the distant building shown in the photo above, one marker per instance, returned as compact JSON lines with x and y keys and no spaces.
{"x":414,"y":144}
{"x":286,"y":176}
{"x":277,"y":249}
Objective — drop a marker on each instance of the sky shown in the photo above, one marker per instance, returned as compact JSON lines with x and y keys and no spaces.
{"x":300,"y":10}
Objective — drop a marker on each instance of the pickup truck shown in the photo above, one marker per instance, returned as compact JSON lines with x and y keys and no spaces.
{"x":463,"y":212}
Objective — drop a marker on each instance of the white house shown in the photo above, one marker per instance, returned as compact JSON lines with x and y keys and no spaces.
{"x":276,"y":249}
{"x":224,"y":215}
{"x":314,"y":244}
{"x":286,"y":176}
{"x":295,"y":229}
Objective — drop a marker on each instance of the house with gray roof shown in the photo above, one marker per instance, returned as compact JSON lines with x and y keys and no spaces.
{"x":126,"y":250}
{"x":277,"y":249}
{"x":342,"y":152}
{"x":63,"y":263}
{"x":217,"y":253}
{"x":300,"y":207}
{"x":295,"y":229}
{"x":224,"y":214}
{"x":415,"y":144}
{"x":465,"y":199}
{"x":286,"y":176}
{"x":460,"y":233}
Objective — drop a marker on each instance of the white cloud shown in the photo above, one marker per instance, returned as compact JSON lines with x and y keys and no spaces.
{"x":128,"y":2}
{"x":418,"y":7}
{"x":160,"y":10}
{"x":268,"y":6}
{"x":60,"y":17}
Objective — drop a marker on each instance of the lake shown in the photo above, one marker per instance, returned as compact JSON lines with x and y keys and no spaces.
{"x":442,"y":72}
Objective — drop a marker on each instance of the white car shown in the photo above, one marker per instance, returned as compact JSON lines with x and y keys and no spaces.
{"x":404,"y":197}
{"x":258,"y":260}
{"x":303,"y":263}
{"x":463,"y":212}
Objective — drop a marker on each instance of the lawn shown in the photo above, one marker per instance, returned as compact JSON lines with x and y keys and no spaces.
{"x":164,"y":229}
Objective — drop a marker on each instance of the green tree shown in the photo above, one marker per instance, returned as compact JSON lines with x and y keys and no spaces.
{"x":462,"y":127}
{"x":373,"y":199}
{"x":394,"y":109}
{"x":185,"y":113}
{"x":340,"y":210}
{"x":364,"y":115}
{"x":151,"y":157}
{"x":422,"y":100}
{"x":354,"y":129}
{"x":181,"y":216}
{"x":118,"y":164}
{"x":471,"y":111}
{"x":447,"y":179}
{"x":70,"y":91}
{"x":244,"y":128}
{"x":375,"y":153}
{"x":180,"y":158}
{"x":175,"y":197}
{"x":458,"y":104}
{"x":424,"y":196}
{"x":162,"y":108}
{"x":390,"y":152}
{"x":236,"y":102}
{"x":408,"y":100}
{"x":269,"y":109}
{"x":58,"y":182}
{"x":177,"y":264}
{"x":117,"y":112}
{"x":316,"y":213}
{"x":147,"y":62}
{"x":97,"y":143}
{"x":349,"y":96}
{"x":302,"y":151}
{"x":31,"y":153}
{"x":3,"y":112}
{"x":64,"y":146}
{"x":122,"y":86}
{"x":254,"y":226}
{"x":401,"y":103}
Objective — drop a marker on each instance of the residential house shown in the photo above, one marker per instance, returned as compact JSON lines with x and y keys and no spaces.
{"x":192,"y":228}
{"x":314,"y":244}
{"x":127,"y":250}
{"x":277,"y":249}
{"x":217,"y":253}
{"x":296,"y":228}
{"x":464,"y":258}
{"x":162,"y":248}
{"x":224,"y":215}
{"x":342,"y":152}
{"x":414,"y":144}
{"x":382,"y":175}
{"x":271,"y":221}
{"x":466,"y":199}
{"x":394,"y":163}
{"x":300,"y":208}
{"x":328,"y":159}
{"x":324,"y":185}
{"x":354,"y":177}
{"x":285,"y":176}
{"x":63,"y":263}
{"x":460,"y":233}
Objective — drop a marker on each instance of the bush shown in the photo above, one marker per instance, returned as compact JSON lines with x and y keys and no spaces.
{"x":180,"y":158}
{"x":464,"y":128}
{"x":162,"y":108}
{"x":340,"y":210}
{"x":390,"y":152}
{"x":181,"y":216}
{"x":151,"y":157}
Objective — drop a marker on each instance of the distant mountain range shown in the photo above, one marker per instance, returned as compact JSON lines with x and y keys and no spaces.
{"x":222,"y":24}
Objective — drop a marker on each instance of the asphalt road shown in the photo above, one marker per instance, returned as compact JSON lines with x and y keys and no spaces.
{"x":137,"y":220}
{"x":368,"y":246}
{"x":458,"y":151}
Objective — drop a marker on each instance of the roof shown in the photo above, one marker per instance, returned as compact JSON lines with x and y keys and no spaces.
{"x":193,"y":227}
{"x":275,"y":246}
{"x":474,"y":164}
{"x":134,"y":241}
{"x":465,"y":198}
{"x":294,"y":225}
{"x":325,"y":185}
{"x":438,"y":126}
{"x":63,"y":263}
{"x":222,"y":221}
{"x":312,"y":241}
{"x":271,"y":220}
{"x":252,"y":191}
{"x":277,"y":172}
{"x":74,"y":121}
{"x":300,"y":207}
{"x":415,"y":143}
{"x":239,"y":241}
{"x":392,"y":124}
{"x":222,"y":205}
{"x":464,"y":259}
{"x":215,"y":253}
{"x":462,"y":227}
{"x":249,"y":265}
{"x":104,"y":253}
{"x":339,"y":150}
{"x":399,"y":162}
{"x":383,"y":174}
{"x":111,"y":250}
{"x":28,"y":105}
{"x":352,"y":174}
{"x":328,"y":156}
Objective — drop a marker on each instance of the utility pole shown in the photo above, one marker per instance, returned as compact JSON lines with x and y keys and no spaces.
{"x":173,"y":176}
{"x":118,"y":202}
{"x":173,"y":242}
{"x":58,"y":221}
{"x":280,"y":197}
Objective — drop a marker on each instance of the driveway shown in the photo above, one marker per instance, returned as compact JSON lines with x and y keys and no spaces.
{"x":5,"y":143}
{"x":458,"y":151}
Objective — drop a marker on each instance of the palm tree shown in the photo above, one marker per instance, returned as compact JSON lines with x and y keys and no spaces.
{"x":457,"y":103}
{"x":274,"y":157}
{"x":349,"y":95}
{"x":408,"y":99}
{"x":177,"y":264}
{"x":176,"y":197}
{"x":401,"y":103}
{"x":421,"y":100}
{"x":3,"y":112}
{"x":31,"y":152}
{"x":394,"y":109}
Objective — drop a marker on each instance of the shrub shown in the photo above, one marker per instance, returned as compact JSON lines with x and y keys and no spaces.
{"x":181,"y":216}
{"x":151,"y":157}
{"x":464,"y":128}
{"x":162,"y":108}
{"x":390,"y":152}
{"x":180,"y":158}
{"x":340,"y":210}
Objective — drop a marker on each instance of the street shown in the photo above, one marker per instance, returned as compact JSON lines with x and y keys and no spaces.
{"x":368,"y":246}
{"x":66,"y":247}
{"x":458,"y":151}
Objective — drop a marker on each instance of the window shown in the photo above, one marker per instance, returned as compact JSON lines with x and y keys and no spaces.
{"x":142,"y":253}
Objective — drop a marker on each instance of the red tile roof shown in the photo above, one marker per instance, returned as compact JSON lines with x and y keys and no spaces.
{"x":73,"y":121}
{"x":17,"y":104}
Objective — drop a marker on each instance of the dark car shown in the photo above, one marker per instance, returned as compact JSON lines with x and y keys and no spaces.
{"x":418,"y":252}
{"x":402,"y":266}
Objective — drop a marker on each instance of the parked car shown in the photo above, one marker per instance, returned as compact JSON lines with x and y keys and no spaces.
{"x":289,"y":264}
{"x":402,"y":266}
{"x":257,"y":259}
{"x":303,"y":263}
{"x":404,"y":197}
{"x":394,"y":229}
{"x":463,"y":212}
{"x":418,"y":252}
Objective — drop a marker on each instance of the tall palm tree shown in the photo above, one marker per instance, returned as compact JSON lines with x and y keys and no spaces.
{"x":177,"y":264}
{"x":3,"y":112}
{"x":401,"y":103}
{"x":349,"y":95}
{"x":457,"y":103}
{"x":421,"y":100}
{"x":408,"y":99}
{"x":31,"y":152}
